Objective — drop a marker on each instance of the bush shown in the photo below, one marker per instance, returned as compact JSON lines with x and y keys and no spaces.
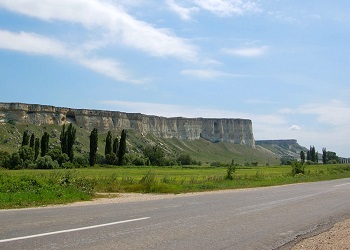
{"x":184,"y":159}
{"x":46,"y":162}
{"x":112,"y":159}
{"x":230,"y":170}
{"x":216,"y":164}
{"x":148,"y":180}
{"x":298,"y":168}
{"x":5,"y":159}
{"x":81,"y":161}
{"x":16,"y":161}
{"x":138,"y":161}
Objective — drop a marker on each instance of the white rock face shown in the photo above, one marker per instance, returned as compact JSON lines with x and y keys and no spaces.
{"x":238,"y":131}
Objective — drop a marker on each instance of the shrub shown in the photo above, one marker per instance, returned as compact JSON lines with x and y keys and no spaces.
{"x":148,"y":180}
{"x":230,"y":170}
{"x":111,"y":159}
{"x":137,"y":161}
{"x":46,"y":162}
{"x":298,"y":168}
{"x":184,"y":159}
{"x":5,"y":159}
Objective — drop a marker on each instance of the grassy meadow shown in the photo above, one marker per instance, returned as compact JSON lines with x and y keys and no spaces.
{"x":27,"y":188}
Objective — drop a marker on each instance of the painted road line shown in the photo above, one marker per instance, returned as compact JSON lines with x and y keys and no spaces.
{"x":73,"y":230}
{"x":344,"y":184}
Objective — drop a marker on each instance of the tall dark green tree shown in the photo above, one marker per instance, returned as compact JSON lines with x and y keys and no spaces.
{"x":71,"y":131}
{"x":115,"y":146}
{"x":122,"y":148}
{"x":32,"y":141}
{"x":36,"y":148}
{"x":313,"y":154}
{"x":64,"y":140}
{"x":93,"y":146}
{"x":324,"y":155}
{"x":302,"y":156}
{"x":44,"y":144}
{"x":108,"y":148}
{"x":25,"y":139}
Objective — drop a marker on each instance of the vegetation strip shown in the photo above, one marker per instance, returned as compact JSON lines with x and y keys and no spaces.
{"x":28,"y":188}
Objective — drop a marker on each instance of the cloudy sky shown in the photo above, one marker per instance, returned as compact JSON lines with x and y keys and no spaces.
{"x":282,"y":64}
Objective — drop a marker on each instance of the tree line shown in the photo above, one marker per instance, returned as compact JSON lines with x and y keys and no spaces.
{"x":328,"y":157}
{"x":35,"y":152}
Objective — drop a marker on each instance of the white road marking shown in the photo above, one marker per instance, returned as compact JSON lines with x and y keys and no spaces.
{"x":342,"y":184}
{"x":72,"y":230}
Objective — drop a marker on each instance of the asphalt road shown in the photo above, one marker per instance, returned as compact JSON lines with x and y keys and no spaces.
{"x":264,"y":218}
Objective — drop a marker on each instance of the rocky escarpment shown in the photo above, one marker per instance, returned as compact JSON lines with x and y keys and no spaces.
{"x":238,"y":131}
{"x":283,"y":148}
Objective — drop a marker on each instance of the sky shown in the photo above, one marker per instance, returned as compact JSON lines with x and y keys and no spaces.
{"x":282,"y":64}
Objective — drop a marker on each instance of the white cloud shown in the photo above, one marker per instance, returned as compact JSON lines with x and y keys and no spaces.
{"x":333,"y":112}
{"x":228,"y":7}
{"x":295,"y":127}
{"x":224,"y":8}
{"x":31,"y":43}
{"x":107,"y":67}
{"x":107,"y":18}
{"x":209,"y":74}
{"x":247,"y":52}
{"x":184,"y":13}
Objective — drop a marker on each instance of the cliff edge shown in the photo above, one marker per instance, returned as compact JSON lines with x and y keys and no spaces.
{"x":237,"y":131}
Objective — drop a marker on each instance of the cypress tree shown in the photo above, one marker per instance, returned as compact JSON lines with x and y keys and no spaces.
{"x":93,"y":146}
{"x":32,"y":141}
{"x":313,"y":153}
{"x":324,"y":156}
{"x":36,"y":148}
{"x":122,"y":148}
{"x":44,"y":144}
{"x":25,"y":140}
{"x":302,"y":156}
{"x":64,"y":140}
{"x":108,"y":148}
{"x":71,"y":131}
{"x":115,"y":146}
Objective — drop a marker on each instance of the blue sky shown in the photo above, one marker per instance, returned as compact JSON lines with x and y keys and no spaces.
{"x":282,"y":64}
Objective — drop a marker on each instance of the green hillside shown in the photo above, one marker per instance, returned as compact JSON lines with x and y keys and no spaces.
{"x":200,"y":150}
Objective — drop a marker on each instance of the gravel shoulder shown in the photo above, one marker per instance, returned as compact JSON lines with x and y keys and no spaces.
{"x":338,"y":237}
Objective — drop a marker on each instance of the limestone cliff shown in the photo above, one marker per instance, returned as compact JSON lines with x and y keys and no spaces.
{"x":238,"y":131}
{"x":283,"y":148}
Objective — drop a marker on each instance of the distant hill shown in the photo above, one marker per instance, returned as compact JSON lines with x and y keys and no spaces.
{"x":283,"y":148}
{"x":200,"y":149}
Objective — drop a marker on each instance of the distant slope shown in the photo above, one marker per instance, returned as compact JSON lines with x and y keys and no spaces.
{"x":200,"y":150}
{"x":283,"y":148}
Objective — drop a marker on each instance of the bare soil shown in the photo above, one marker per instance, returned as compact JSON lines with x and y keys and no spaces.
{"x":337,"y":238}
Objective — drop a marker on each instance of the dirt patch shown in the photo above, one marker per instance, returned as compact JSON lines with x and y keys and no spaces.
{"x":338,"y":237}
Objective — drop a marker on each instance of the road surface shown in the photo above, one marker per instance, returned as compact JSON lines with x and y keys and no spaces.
{"x":262,"y":218}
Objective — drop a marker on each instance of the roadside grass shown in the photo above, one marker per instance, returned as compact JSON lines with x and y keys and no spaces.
{"x":27,"y":188}
{"x":37,"y":189}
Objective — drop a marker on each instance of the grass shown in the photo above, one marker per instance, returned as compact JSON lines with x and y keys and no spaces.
{"x":37,"y":189}
{"x":26,"y":188}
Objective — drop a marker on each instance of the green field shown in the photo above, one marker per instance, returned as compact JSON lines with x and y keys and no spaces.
{"x":24,"y":188}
